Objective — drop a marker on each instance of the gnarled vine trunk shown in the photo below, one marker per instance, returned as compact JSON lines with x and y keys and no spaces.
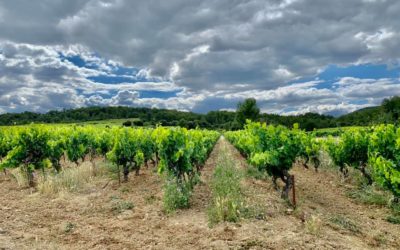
{"x":363,"y":169}
{"x":126,"y":172}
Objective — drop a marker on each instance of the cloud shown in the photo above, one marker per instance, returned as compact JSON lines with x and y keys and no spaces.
{"x":36,"y":78}
{"x":212,"y":53}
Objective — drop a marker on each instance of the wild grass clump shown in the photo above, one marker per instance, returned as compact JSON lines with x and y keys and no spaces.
{"x":119,"y":205}
{"x":345,"y":223}
{"x":176,"y":195}
{"x":69,"y":179}
{"x":370,"y":195}
{"x":256,"y":173}
{"x":20,"y":177}
{"x":313,"y":225}
{"x":227,"y":198}
{"x":326,"y":161}
{"x":394,"y":219}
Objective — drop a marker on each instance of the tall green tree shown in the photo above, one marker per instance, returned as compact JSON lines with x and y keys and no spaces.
{"x":392,"y":107}
{"x":247,"y":110}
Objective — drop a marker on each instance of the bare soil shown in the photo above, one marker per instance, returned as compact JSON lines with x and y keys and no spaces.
{"x":325,"y":218}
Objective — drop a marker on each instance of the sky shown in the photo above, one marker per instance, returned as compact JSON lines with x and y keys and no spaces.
{"x":293,"y":56}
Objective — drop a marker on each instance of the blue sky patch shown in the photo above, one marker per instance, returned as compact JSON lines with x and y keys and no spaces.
{"x":363,"y":71}
{"x":117,"y":74}
{"x":359,"y":102}
{"x":112,"y":79}
{"x":333,"y":73}
{"x":76,"y":60}
{"x":158,"y":94}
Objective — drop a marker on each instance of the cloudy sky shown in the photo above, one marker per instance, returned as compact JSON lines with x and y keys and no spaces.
{"x":293,"y":56}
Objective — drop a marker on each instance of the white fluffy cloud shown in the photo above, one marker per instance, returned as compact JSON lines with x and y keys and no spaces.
{"x":213,"y":52}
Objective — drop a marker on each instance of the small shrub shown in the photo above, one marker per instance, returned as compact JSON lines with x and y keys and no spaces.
{"x":176,"y":196}
{"x":138,"y":122}
{"x":127,"y":123}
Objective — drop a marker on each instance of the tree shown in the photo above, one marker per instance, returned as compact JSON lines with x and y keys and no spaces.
{"x":137,"y":122}
{"x":247,"y":110}
{"x":392,"y":107}
{"x":127,"y":123}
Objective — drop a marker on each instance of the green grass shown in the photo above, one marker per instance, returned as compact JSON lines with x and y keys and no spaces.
{"x":99,"y":123}
{"x":227,"y":199}
{"x":119,"y":205}
{"x":109,"y":122}
{"x":394,"y":219}
{"x":254,"y":172}
{"x":370,"y":195}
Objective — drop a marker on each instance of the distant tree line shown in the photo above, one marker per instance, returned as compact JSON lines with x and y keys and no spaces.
{"x":388,"y":112}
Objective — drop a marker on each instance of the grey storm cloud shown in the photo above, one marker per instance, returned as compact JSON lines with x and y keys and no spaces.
{"x":212,"y":50}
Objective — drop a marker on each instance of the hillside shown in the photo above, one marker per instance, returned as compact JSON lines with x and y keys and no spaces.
{"x":365,"y":116}
{"x":211,"y":120}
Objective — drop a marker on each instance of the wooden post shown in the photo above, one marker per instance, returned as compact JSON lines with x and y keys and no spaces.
{"x":293,"y":191}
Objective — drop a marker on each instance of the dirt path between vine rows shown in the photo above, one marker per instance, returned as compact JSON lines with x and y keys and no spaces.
{"x":95,"y":218}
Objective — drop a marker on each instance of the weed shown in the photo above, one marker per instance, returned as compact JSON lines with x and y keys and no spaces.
{"x":251,"y":244}
{"x":124,"y":189}
{"x":313,"y":225}
{"x":345,"y":223}
{"x":379,"y":239}
{"x":253,"y":211}
{"x":395,"y":206}
{"x":176,"y":195}
{"x":227,"y":198}
{"x":20,"y":177}
{"x":150,"y":199}
{"x":70,"y":179}
{"x":113,"y":171}
{"x":394,"y":219}
{"x":370,"y":195}
{"x":119,"y":205}
{"x":69,"y":226}
{"x":254,"y":172}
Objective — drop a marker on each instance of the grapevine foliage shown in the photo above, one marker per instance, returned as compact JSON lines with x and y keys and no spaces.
{"x":384,"y":152}
{"x":270,"y":148}
{"x":31,"y":151}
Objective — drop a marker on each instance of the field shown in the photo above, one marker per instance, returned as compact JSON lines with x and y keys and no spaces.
{"x":232,"y":205}
{"x":323,"y":132}
{"x":110,"y":122}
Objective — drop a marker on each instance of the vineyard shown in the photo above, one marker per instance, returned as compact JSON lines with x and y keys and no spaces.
{"x":168,"y":175}
{"x":374,"y":151}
